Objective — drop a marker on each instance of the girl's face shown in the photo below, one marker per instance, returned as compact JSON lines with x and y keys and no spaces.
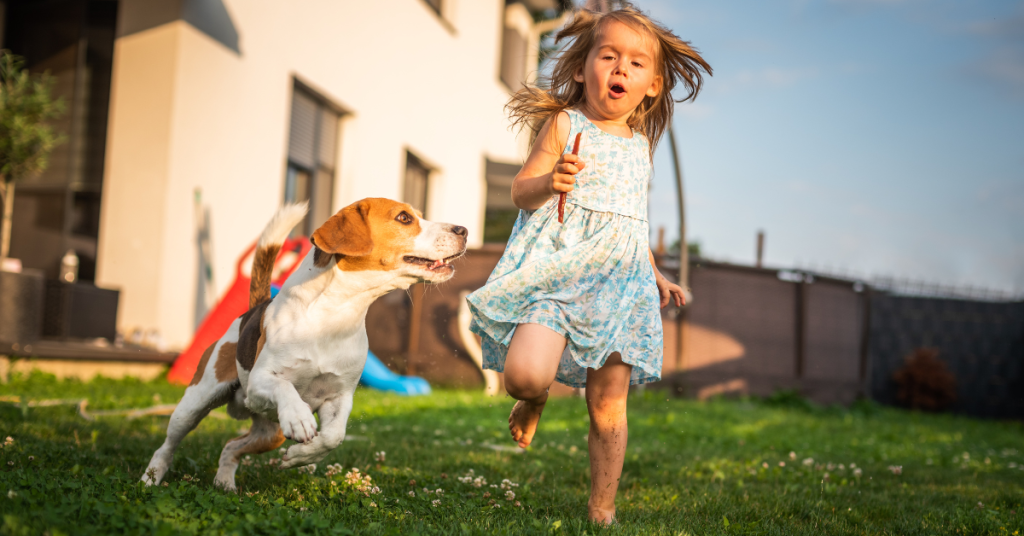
{"x":620,"y":72}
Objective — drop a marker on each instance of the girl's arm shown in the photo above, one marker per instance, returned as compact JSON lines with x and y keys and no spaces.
{"x":667,"y":289}
{"x":546,"y":171}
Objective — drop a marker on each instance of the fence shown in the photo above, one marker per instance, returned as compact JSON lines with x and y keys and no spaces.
{"x":756,"y":331}
{"x":982,"y":344}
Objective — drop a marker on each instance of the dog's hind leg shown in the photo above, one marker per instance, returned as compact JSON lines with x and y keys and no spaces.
{"x":264,"y":435}
{"x":194,"y":405}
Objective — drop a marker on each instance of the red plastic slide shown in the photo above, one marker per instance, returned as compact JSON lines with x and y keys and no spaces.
{"x":234,"y":303}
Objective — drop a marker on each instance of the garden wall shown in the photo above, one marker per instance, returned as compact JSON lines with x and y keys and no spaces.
{"x":981,"y":343}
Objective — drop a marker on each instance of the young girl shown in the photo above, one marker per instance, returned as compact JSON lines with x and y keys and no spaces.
{"x":588,"y":283}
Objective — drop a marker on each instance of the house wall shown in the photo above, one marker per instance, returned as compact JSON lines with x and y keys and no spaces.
{"x":205,"y":104}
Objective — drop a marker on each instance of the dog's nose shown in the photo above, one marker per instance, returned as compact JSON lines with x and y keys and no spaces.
{"x":460,"y":230}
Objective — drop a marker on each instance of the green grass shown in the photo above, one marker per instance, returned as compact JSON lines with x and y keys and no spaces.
{"x":692,"y":468}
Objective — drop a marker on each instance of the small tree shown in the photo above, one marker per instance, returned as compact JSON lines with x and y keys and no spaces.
{"x":26,"y":138}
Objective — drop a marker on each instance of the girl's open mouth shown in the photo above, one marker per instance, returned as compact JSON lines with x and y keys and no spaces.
{"x":617,"y":91}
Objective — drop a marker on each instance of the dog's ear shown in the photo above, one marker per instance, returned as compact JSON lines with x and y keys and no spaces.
{"x":347,"y":232}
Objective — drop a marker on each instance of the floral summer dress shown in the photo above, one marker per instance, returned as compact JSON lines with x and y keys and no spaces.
{"x":589,"y":278}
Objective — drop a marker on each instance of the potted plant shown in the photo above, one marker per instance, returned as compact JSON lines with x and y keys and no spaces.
{"x":26,"y":140}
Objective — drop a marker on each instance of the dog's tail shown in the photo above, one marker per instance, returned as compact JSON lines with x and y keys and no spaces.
{"x":269,"y":246}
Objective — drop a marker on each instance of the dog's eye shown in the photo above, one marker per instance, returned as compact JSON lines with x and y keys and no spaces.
{"x":404,"y":218}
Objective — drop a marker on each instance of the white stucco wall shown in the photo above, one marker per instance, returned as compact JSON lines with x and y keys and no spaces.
{"x":188,"y":112}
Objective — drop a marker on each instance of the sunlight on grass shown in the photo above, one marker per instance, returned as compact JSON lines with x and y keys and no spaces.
{"x":720,"y":467}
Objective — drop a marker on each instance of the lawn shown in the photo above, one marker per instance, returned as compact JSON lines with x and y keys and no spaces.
{"x":722,"y":467}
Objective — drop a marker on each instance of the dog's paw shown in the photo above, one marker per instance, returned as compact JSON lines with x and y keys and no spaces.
{"x":297,"y":422}
{"x":303,"y":454}
{"x":226,"y":484}
{"x":155,"y":472}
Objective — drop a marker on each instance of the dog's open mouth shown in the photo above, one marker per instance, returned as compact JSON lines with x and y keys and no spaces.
{"x":433,"y":265}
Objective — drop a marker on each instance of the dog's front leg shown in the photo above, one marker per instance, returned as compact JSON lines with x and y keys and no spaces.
{"x":333,"y":421}
{"x":269,"y":392}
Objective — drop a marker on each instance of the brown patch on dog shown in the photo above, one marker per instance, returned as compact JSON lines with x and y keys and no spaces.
{"x":262,"y":269}
{"x":347,"y":232}
{"x":373,"y":223}
{"x":263,"y":436}
{"x":225,"y":367}
{"x":262,"y":340}
{"x":250,"y":333}
{"x":202,"y":365}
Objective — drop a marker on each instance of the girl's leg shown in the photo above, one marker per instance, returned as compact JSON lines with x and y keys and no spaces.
{"x":530,"y":368}
{"x":607,"y":388}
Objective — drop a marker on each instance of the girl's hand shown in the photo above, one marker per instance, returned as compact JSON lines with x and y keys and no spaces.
{"x":562,"y":179}
{"x":670,"y":291}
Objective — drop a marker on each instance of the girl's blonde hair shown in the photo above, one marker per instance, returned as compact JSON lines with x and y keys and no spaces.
{"x":677,"y":62}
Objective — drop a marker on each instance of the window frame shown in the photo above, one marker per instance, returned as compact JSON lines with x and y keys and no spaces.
{"x":317,"y":170}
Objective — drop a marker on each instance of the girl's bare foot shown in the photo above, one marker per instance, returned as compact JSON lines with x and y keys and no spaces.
{"x":522,"y":422}
{"x":601,"y":515}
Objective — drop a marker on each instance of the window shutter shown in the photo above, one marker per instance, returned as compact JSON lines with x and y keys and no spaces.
{"x":328,"y":139}
{"x":303,"y":130}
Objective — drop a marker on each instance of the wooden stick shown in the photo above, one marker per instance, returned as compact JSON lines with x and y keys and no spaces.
{"x":561,"y":196}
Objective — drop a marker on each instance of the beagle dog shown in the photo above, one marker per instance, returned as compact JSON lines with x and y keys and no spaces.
{"x":303,"y":351}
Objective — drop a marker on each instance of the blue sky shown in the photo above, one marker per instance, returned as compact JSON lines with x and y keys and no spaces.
{"x":870,"y":136}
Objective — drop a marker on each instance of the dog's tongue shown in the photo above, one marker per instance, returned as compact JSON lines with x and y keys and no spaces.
{"x":437,"y":264}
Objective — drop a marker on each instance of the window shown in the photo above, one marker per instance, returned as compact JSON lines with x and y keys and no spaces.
{"x":500,"y":213}
{"x":417,"y":179}
{"x":516,"y":29}
{"x":312,"y":158}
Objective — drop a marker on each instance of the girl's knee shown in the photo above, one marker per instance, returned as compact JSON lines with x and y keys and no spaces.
{"x":524,"y":388}
{"x":607,"y":407}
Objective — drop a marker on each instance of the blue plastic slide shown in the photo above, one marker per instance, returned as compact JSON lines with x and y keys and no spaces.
{"x":376,"y":375}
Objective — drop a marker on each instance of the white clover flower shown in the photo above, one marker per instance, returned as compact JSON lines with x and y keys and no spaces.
{"x":374,"y":490}
{"x":439,"y":492}
{"x":435,"y":502}
{"x":380,"y":456}
{"x":896,"y":469}
{"x":782,"y":464}
{"x":831,"y":466}
{"x":842,"y":467}
{"x":857,"y":472}
{"x":412,"y":493}
{"x":853,"y":465}
{"x":808,"y":461}
{"x":9,"y":440}
{"x":11,"y":493}
{"x":517,"y":504}
{"x":373,"y":504}
{"x":510,"y":495}
{"x":792,"y":455}
{"x":425,"y":490}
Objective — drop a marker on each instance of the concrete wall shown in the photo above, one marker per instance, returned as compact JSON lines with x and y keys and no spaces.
{"x":201,"y":97}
